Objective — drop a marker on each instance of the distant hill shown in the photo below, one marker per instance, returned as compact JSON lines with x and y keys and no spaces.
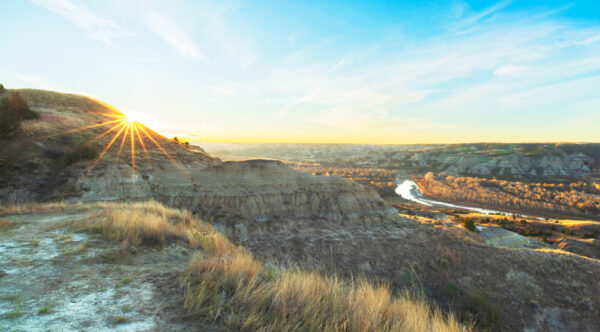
{"x":510,"y":161}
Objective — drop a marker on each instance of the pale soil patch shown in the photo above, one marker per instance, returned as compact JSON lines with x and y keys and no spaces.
{"x":54,"y":279}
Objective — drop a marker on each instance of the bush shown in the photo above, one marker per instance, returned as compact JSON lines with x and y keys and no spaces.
{"x":9,"y":122}
{"x":13,"y":110}
{"x":81,"y":152}
{"x":451,"y":290}
{"x":468,"y":223}
{"x":54,"y":152}
{"x":478,"y":309}
{"x":20,"y":106}
{"x":1,"y":88}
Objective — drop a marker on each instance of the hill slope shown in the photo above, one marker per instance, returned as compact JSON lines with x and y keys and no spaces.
{"x":63,"y":155}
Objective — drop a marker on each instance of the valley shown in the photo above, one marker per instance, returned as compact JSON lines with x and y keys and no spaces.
{"x":85,"y":189}
{"x":537,"y":205}
{"x":299,"y":166}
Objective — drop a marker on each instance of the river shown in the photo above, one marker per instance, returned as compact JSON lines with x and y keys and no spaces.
{"x":409,"y":190}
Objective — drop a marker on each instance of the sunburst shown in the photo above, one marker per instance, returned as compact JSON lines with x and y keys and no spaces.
{"x":126,"y":129}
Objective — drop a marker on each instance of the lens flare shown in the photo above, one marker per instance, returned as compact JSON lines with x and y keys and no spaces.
{"x":128,"y":128}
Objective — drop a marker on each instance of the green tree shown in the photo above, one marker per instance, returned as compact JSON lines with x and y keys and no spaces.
{"x":13,"y":110}
{"x":9,"y":121}
{"x":21,"y":107}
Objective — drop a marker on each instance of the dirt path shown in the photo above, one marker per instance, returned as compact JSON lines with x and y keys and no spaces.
{"x":52,"y":279}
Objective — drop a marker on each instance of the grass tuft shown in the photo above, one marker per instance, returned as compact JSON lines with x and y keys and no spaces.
{"x":152,"y":224}
{"x":5,"y":224}
{"x":119,"y":320}
{"x":250,"y":297}
{"x":44,"y":310}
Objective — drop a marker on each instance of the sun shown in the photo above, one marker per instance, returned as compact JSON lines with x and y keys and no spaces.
{"x":123,"y":128}
{"x":131,"y":119}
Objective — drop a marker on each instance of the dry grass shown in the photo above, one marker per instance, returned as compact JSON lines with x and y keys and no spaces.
{"x":249,"y":296}
{"x":451,"y":229}
{"x":562,"y":252}
{"x":34,"y":207}
{"x":226,"y":284}
{"x":151,"y":223}
{"x":5,"y":224}
{"x":233,"y":287}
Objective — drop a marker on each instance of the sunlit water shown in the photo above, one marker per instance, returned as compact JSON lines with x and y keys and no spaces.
{"x":409,"y":190}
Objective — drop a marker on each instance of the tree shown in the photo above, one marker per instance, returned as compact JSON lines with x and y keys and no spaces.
{"x":21,"y":107}
{"x":9,"y":122}
{"x":13,"y":110}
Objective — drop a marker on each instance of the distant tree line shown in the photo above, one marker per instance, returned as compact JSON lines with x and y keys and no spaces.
{"x":575,"y":199}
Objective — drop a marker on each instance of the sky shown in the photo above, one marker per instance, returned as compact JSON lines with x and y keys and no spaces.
{"x":382,"y":72}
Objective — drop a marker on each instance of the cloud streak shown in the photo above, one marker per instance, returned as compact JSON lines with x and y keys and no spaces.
{"x":171,"y":34}
{"x":98,"y":28}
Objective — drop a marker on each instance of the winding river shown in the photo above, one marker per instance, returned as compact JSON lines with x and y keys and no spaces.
{"x":409,"y":190}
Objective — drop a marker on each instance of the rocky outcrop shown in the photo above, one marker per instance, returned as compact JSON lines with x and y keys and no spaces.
{"x":172,"y":173}
{"x":258,"y":190}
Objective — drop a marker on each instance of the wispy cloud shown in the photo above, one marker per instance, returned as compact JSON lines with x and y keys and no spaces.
{"x":515,"y":62}
{"x":172,"y":34}
{"x":482,"y":14}
{"x":98,"y":28}
{"x":216,"y":24}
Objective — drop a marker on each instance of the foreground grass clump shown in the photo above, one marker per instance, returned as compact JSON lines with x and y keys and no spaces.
{"x":6,"y":209}
{"x":5,"y":224}
{"x":246,"y":295}
{"x":482,"y":311}
{"x":151,"y":223}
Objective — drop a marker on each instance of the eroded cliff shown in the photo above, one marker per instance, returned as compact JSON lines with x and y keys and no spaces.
{"x":141,"y":164}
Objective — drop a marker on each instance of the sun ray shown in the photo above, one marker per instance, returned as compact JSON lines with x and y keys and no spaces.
{"x":132,"y":154}
{"x":106,"y":149}
{"x":127,"y":127}
{"x":143,"y":145}
{"x":105,"y":133}
{"x":84,"y":128}
{"x":160,"y":147}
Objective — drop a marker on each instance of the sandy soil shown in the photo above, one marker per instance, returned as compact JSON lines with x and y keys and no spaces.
{"x":53,"y":279}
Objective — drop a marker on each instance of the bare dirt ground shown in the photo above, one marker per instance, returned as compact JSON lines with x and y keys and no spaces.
{"x":53,"y":279}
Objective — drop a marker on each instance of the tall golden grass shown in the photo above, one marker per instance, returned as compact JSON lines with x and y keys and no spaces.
{"x":226,"y":284}
{"x":6,"y":209}
{"x":151,"y":223}
{"x":248,"y":296}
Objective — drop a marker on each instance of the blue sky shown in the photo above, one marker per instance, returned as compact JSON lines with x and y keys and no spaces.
{"x":315,"y":71}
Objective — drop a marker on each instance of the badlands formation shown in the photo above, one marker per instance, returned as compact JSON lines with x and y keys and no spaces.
{"x":178,"y":175}
{"x":280,"y":215}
